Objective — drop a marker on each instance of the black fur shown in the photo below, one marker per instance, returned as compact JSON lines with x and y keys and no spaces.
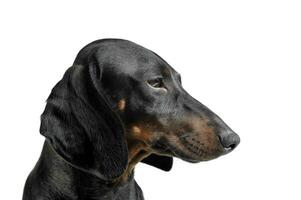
{"x":86,"y":150}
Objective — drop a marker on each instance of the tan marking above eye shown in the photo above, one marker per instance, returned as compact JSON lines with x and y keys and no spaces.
{"x":121,"y":104}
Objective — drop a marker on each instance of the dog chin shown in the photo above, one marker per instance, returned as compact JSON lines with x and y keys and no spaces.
{"x":170,"y":150}
{"x":202,"y":158}
{"x":197,"y":160}
{"x":190,"y":160}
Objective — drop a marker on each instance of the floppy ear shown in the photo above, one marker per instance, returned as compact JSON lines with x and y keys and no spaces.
{"x":81,"y":126}
{"x":161,"y":162}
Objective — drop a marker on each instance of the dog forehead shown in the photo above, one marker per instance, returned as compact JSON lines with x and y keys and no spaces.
{"x":128,"y":58}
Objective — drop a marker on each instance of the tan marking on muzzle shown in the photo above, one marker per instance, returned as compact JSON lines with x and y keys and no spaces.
{"x":195,"y":137}
{"x":204,"y":138}
{"x":205,"y":132}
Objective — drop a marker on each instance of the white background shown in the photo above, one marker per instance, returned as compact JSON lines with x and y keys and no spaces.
{"x":240,"y":58}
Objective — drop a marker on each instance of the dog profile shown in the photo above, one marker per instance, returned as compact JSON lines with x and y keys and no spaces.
{"x":117,"y":105}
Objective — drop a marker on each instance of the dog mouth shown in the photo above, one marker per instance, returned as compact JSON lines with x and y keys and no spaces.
{"x":192,"y":152}
{"x":184,"y":156}
{"x":175,"y":152}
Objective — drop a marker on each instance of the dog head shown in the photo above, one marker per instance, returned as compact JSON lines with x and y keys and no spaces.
{"x":118,"y":93}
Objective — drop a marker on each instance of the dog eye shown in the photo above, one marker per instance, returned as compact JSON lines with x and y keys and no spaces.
{"x":156,"y":83}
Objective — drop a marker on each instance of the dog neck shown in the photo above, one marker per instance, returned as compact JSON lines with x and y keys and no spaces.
{"x":58,"y":171}
{"x":54,"y":177}
{"x":62,"y":176}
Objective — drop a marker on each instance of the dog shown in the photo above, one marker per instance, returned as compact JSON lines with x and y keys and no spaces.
{"x":117,"y":105}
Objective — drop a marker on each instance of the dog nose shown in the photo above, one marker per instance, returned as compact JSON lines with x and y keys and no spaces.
{"x":229,"y":140}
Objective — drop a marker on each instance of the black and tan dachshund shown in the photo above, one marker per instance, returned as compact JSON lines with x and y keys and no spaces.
{"x":119,"y":104}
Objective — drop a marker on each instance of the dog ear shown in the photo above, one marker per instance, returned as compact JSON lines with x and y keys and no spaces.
{"x":160,"y":162}
{"x":81,"y":125}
